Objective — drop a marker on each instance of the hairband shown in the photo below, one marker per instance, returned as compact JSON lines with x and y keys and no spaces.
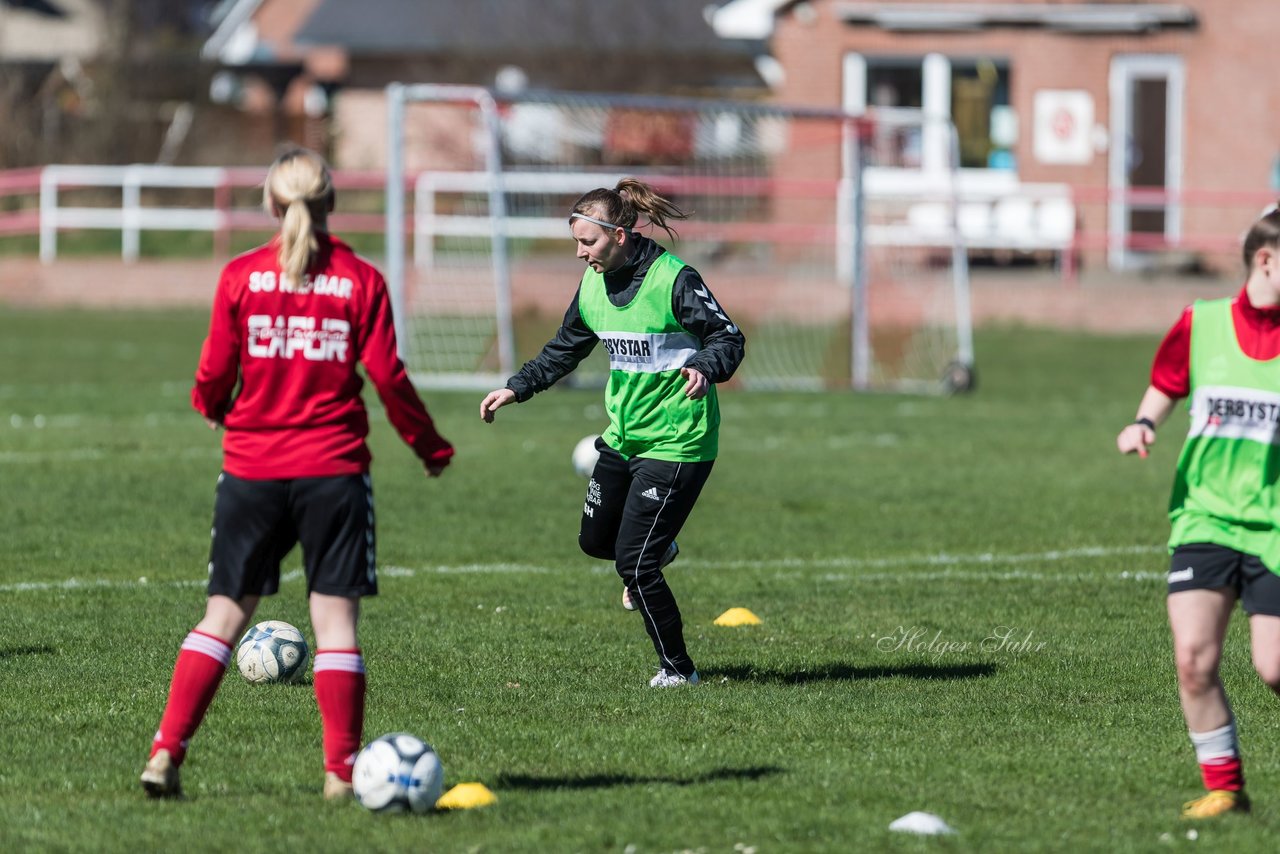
{"x":599,"y":222}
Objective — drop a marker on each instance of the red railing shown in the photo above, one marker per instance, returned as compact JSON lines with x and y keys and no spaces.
{"x":19,"y":183}
{"x":1211,"y":223}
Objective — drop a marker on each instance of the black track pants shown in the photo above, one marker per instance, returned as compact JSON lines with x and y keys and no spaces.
{"x":633,"y":510}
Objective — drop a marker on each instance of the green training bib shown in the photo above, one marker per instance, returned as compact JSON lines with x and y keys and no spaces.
{"x":1224,"y":491}
{"x":649,"y":416}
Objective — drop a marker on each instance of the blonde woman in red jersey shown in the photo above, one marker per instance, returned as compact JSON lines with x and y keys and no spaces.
{"x":291,"y":320}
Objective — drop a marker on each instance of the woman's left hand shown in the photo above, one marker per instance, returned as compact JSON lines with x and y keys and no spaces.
{"x":697,"y":385}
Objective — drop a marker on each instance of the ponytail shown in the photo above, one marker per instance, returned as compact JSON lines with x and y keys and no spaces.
{"x":622,"y":206}
{"x":299,"y":191}
{"x":298,"y":244}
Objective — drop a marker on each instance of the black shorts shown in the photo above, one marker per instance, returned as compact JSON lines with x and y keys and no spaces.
{"x":1206,"y":566}
{"x":257,"y":522}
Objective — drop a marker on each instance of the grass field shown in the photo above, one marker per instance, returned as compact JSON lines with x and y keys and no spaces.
{"x":962,"y":605}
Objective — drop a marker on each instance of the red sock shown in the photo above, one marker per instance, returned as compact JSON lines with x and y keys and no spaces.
{"x":1224,"y":774}
{"x":339,"y":684}
{"x":1218,"y":752}
{"x":196,"y":676}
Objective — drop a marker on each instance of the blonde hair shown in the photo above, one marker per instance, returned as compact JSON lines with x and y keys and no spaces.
{"x":298,"y":191}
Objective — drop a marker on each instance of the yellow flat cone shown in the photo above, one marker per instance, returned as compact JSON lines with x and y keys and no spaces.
{"x":737,"y":617}
{"x":466,"y":796}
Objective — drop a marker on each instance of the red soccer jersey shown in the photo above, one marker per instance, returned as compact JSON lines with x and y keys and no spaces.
{"x":1257,"y":331}
{"x":294,"y":350}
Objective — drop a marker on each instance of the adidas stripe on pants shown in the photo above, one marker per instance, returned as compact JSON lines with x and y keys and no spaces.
{"x":633,"y":510}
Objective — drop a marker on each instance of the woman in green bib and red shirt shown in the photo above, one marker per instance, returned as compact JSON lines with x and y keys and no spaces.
{"x":669,"y":343}
{"x":1225,"y":510}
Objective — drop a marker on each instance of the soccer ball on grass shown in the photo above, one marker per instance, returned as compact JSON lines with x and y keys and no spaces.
{"x":398,"y":773}
{"x":272,"y":651}
{"x":585,"y":455}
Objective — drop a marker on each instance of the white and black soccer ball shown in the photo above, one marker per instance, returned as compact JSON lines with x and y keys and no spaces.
{"x":272,"y":651}
{"x":585,"y":455}
{"x":398,"y":773}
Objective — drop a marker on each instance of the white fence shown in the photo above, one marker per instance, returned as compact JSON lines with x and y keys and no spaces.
{"x":992,"y":215}
{"x":1000,"y":215}
{"x":138,"y":211}
{"x":430,"y":224}
{"x":995,"y":211}
{"x":131,"y":218}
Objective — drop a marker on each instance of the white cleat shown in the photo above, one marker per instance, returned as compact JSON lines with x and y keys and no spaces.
{"x":337,"y":789}
{"x":669,"y":555}
{"x":670,"y":679}
{"x":160,"y":777}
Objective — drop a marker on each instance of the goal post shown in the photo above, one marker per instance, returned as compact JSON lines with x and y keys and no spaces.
{"x":840,"y":261}
{"x":478,"y":319}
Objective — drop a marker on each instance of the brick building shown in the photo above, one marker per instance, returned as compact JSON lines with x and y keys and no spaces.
{"x":1158,"y":119}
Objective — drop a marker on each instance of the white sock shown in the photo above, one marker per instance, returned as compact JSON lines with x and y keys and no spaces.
{"x":1216,"y":745}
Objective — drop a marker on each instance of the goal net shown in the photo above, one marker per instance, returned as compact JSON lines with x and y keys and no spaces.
{"x":836,"y":256}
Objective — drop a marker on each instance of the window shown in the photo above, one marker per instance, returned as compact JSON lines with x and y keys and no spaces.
{"x":979,"y":88}
{"x":894,"y":82}
{"x":973,"y":92}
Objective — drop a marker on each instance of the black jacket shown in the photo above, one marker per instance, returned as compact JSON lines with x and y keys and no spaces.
{"x":692,"y":303}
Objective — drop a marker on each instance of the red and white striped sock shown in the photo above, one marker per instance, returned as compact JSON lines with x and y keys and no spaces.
{"x":1218,"y":752}
{"x":340,"y":685}
{"x":196,"y":676}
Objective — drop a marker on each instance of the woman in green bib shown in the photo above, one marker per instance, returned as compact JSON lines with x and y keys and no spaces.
{"x":669,"y":343}
{"x":1224,"y":357}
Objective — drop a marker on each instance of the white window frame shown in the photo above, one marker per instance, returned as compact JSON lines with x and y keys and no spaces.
{"x":935,"y":102}
{"x":1126,"y":68}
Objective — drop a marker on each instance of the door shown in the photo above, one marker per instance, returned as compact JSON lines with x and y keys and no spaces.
{"x":1145,"y":168}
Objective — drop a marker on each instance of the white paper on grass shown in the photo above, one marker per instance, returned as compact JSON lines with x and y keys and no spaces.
{"x":925,"y":823}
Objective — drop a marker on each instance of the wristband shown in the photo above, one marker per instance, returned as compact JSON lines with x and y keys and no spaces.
{"x":1146,"y":422}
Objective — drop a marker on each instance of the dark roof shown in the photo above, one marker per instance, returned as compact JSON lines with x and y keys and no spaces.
{"x":487,"y":27}
{"x":1091,"y":18}
{"x":39,"y":7}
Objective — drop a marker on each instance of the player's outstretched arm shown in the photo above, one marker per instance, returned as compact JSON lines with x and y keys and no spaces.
{"x":493,"y":401}
{"x":1140,"y":434}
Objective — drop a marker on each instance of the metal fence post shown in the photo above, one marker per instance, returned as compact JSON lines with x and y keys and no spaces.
{"x":48,"y":214}
{"x":395,"y":213}
{"x":130,"y":214}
